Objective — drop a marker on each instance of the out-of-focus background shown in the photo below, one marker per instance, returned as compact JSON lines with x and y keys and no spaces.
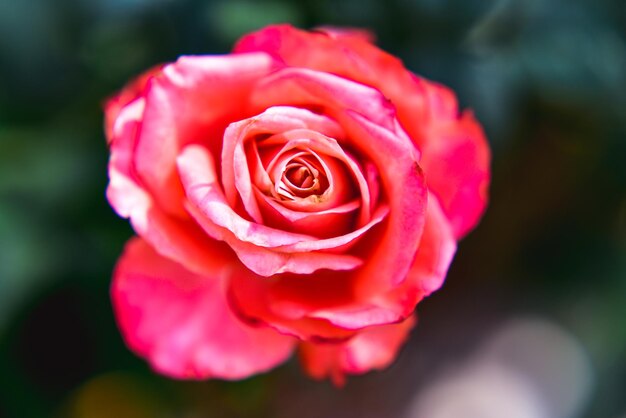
{"x":531,"y":322}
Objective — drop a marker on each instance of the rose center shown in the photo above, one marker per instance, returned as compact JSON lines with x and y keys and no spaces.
{"x":302,"y":177}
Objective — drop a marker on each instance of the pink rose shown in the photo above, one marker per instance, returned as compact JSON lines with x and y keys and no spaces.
{"x":304,"y":192}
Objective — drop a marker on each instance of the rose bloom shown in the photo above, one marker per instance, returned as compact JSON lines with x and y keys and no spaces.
{"x":303,"y":193}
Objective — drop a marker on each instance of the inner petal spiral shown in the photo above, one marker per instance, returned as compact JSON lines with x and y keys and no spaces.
{"x":288,"y":169}
{"x":303,"y":176}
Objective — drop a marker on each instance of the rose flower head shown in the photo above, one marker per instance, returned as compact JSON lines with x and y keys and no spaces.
{"x":302,"y":193}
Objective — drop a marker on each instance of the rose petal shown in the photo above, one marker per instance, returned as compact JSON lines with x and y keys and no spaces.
{"x":429,"y":269}
{"x":123,"y":192}
{"x":372,"y":129}
{"x":358,"y":317}
{"x":304,"y":87}
{"x":214,"y":214}
{"x":219,"y":85}
{"x":319,"y":50}
{"x":351,"y":57}
{"x":175,"y":238}
{"x":435,"y":252}
{"x":341,"y":188}
{"x":389,"y":250}
{"x":253,"y":242}
{"x":404,"y":184}
{"x":292,"y":302}
{"x":328,"y":223}
{"x":460,"y":148}
{"x":331,"y":297}
{"x":199,"y":177}
{"x":258,"y":300}
{"x":236,"y":169}
{"x":133,"y":90}
{"x":341,"y":242}
{"x":456,"y":159}
{"x":374,"y":348}
{"x":181,"y":323}
{"x":346,"y":32}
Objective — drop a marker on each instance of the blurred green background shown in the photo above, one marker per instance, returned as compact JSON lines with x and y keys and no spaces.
{"x":534,"y":305}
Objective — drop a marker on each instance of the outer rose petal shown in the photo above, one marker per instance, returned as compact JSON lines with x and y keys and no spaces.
{"x":219,"y":86}
{"x":374,"y":348}
{"x":175,"y":238}
{"x":181,"y":323}
{"x":270,"y":301}
{"x":295,"y":299}
{"x":456,"y":161}
{"x":430,"y":266}
{"x":344,"y":33}
{"x":421,"y":106}
{"x":115,"y":104}
{"x":435,"y":252}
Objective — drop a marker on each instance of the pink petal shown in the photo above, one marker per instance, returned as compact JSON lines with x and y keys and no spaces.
{"x":219,"y":85}
{"x":323,"y":307}
{"x":358,"y":317}
{"x":268,"y":262}
{"x":129,"y":93}
{"x":429,"y":269}
{"x":304,"y":87}
{"x":455,"y":152}
{"x":372,"y":129}
{"x":374,"y":348}
{"x":200,"y":179}
{"x":456,"y":159}
{"x":212,"y":212}
{"x":318,"y":307}
{"x":252,"y":242}
{"x":389,"y":249}
{"x":422,"y":107}
{"x":181,"y":323}
{"x":123,"y":191}
{"x":176,"y":238}
{"x":325,"y":50}
{"x":339,"y":167}
{"x":341,"y":242}
{"x":258,"y":300}
{"x":237,"y":170}
{"x":402,"y":179}
{"x":347,"y":33}
{"x":435,"y":252}
{"x":351,"y":57}
{"x":328,"y":223}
